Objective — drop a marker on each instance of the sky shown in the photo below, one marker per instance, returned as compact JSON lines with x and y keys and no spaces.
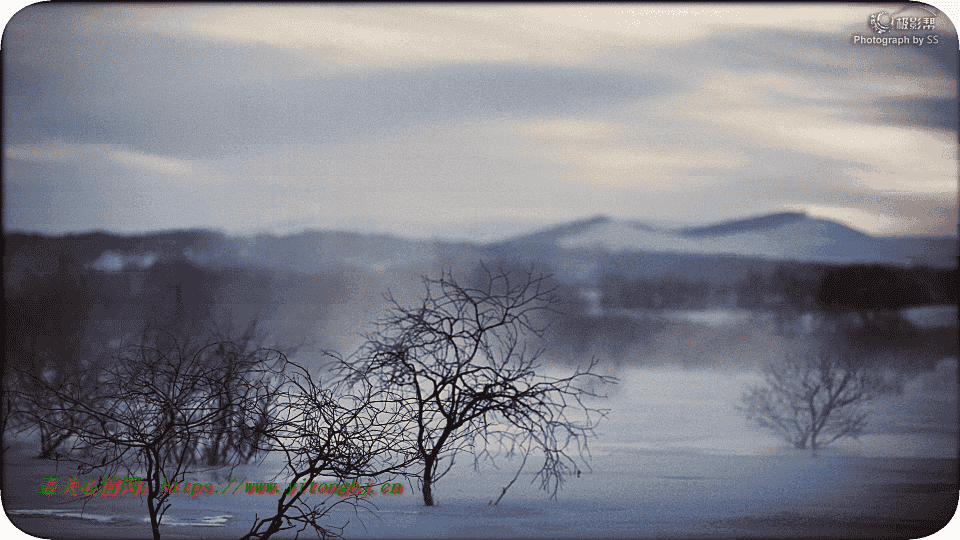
{"x":474,"y":122}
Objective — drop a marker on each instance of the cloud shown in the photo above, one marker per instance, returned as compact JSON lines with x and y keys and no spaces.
{"x":574,"y":129}
{"x":364,"y":38}
{"x":148,"y":162}
{"x":545,"y":112}
{"x":887,"y":157}
{"x":871,"y":222}
{"x":396,"y":36}
{"x":83,"y":154}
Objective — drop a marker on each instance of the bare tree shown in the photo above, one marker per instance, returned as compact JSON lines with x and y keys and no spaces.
{"x":812,"y":400}
{"x":150,"y":408}
{"x":10,"y":415}
{"x":464,"y":359}
{"x":46,"y":325}
{"x":235,"y":437}
{"x":27,"y":406}
{"x":323,"y":432}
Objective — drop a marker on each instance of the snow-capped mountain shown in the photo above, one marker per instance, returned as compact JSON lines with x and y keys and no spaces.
{"x":782,"y":236}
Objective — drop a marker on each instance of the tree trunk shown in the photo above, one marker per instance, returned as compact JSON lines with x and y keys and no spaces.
{"x":154,"y":476}
{"x":428,"y":482}
{"x":801,"y":443}
{"x":152,"y":509}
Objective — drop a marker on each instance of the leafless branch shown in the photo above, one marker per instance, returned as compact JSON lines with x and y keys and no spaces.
{"x":813,"y":400}
{"x":466,"y":360}
{"x":324,"y":432}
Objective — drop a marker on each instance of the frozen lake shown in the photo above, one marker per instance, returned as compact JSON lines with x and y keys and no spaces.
{"x":673,"y":460}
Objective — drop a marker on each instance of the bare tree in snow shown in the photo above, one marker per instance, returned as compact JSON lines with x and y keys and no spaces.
{"x":812,"y":400}
{"x":465,"y":358}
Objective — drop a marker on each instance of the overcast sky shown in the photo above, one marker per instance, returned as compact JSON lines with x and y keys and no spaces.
{"x":446,"y":121}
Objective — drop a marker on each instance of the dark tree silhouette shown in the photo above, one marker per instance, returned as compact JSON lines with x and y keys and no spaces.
{"x":150,"y":409}
{"x":323,"y":431}
{"x":868,"y":290}
{"x":235,"y":435}
{"x":46,"y":323}
{"x":813,"y":400}
{"x":464,"y":358}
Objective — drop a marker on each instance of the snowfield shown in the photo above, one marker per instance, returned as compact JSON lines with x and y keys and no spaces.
{"x":673,"y":460}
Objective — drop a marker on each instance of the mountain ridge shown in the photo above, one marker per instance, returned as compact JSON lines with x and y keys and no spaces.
{"x":792,"y":236}
{"x":780,"y":236}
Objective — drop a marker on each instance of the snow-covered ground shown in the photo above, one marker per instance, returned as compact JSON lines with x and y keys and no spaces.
{"x":673,"y":459}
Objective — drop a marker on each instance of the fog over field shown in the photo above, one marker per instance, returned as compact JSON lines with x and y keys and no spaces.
{"x":734,"y":227}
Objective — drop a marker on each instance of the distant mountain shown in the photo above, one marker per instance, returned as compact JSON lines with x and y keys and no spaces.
{"x":553,"y":234}
{"x":768,"y":223}
{"x":573,"y":250}
{"x":781,"y":236}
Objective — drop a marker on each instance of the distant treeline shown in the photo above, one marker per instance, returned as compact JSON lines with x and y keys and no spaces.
{"x":199,"y":268}
{"x":62,"y":304}
{"x":58,"y":308}
{"x":800,"y":287}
